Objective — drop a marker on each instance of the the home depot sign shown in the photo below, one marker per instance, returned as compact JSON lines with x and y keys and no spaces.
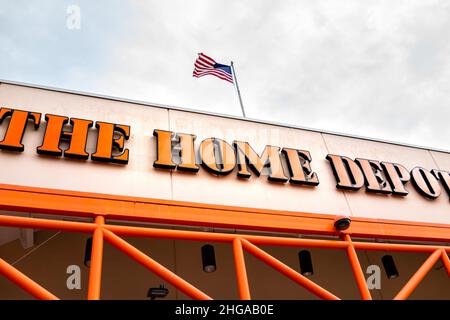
{"x":177,"y":151}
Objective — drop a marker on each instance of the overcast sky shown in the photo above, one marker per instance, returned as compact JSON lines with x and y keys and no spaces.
{"x":373,"y":68}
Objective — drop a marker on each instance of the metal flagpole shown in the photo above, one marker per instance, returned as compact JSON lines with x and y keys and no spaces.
{"x":237,"y":89}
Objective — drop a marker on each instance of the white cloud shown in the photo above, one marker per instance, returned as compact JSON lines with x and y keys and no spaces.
{"x":372,"y":68}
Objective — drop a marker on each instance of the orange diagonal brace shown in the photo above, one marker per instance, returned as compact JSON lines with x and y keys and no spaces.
{"x":419,"y":275}
{"x":446,"y":261}
{"x":357,"y":271}
{"x":241,"y":272}
{"x":154,"y":266}
{"x":24,"y":282}
{"x":95,"y":271}
{"x":287,"y":271}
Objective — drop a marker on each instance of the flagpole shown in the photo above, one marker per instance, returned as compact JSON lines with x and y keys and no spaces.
{"x":237,"y":89}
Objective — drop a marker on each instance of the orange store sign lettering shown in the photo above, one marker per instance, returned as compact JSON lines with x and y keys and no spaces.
{"x":176,"y":151}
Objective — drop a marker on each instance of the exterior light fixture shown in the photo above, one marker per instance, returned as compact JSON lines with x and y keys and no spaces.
{"x":208,"y":258}
{"x":160,"y":292}
{"x":88,"y":252}
{"x":389,"y":267}
{"x":306,"y":267}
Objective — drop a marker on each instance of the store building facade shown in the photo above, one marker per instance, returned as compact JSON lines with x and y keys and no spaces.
{"x":152,"y":185}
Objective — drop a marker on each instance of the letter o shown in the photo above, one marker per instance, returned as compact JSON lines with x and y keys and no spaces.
{"x":425,"y":183}
{"x":217,"y":156}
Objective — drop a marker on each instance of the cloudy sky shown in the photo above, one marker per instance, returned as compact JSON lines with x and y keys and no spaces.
{"x":373,"y":68}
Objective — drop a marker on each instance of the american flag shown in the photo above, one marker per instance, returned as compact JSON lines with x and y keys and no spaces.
{"x":205,"y":65}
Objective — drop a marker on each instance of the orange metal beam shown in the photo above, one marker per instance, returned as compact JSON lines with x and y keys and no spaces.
{"x":95,"y":271}
{"x":395,"y":247}
{"x":221,"y":237}
{"x":25,"y":282}
{"x":154,"y":266}
{"x":168,"y":234}
{"x":25,"y":222}
{"x":241,"y":272}
{"x":64,"y":202}
{"x":357,"y":271}
{"x":288,"y":272}
{"x":409,"y":287}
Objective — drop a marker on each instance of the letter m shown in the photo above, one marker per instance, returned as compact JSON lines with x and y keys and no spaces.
{"x":247,"y":158}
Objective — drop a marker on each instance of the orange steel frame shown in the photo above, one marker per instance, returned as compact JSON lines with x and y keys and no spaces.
{"x":240,"y":242}
{"x":39,"y":200}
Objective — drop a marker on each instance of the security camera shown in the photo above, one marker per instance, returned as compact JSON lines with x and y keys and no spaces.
{"x":342,"y":223}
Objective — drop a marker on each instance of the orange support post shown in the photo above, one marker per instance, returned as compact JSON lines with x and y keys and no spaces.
{"x":418,"y":276}
{"x":241,"y":272}
{"x":288,"y":272}
{"x":357,"y":271}
{"x":154,"y":266}
{"x":24,"y":282}
{"x":95,"y":270}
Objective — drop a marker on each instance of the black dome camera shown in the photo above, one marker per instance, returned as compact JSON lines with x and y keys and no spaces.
{"x":342,"y":223}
